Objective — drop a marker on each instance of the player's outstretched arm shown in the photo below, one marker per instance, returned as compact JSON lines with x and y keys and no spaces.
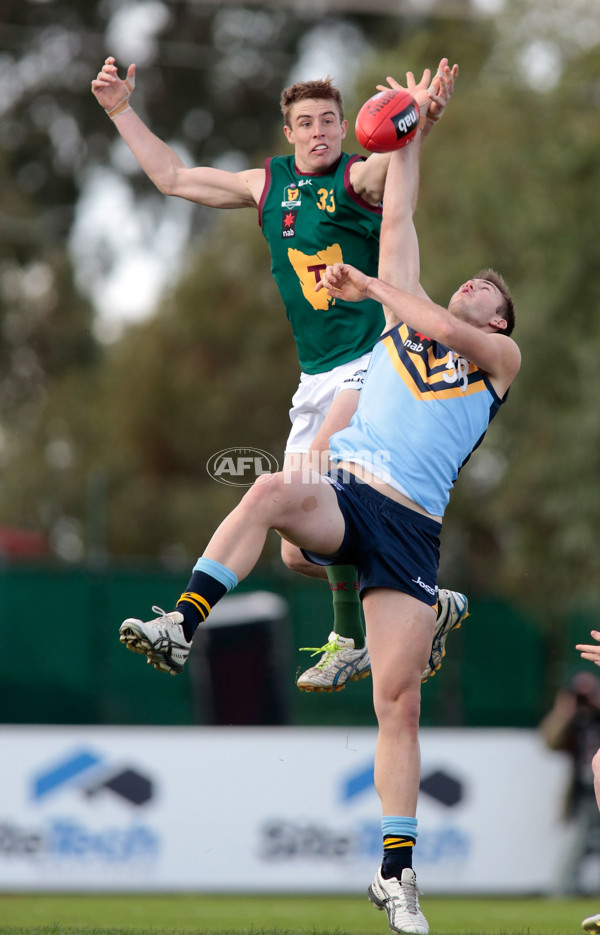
{"x":591,"y":651}
{"x":203,"y":185}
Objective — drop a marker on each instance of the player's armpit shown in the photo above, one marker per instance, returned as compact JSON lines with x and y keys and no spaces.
{"x":367,"y":177}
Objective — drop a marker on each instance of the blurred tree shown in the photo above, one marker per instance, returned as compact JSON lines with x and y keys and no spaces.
{"x":215,"y":368}
{"x":45,"y":325}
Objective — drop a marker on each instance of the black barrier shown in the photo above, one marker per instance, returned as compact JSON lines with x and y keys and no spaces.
{"x":240,"y":660}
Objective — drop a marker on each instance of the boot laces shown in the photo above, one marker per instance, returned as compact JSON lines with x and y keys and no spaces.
{"x":329,"y":650}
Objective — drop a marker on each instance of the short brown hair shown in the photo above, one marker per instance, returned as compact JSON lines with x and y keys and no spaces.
{"x":507,"y":309}
{"x":304,"y":90}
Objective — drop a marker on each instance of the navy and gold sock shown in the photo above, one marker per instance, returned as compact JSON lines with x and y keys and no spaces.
{"x":399,"y":836}
{"x":210,"y":581}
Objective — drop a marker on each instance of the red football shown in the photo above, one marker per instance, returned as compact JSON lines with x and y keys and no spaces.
{"x":387,"y":121}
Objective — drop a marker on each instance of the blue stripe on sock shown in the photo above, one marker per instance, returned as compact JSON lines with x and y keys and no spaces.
{"x":399,"y":824}
{"x":224,"y":575}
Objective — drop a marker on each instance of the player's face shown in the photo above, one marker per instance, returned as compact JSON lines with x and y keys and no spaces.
{"x":477,"y":302}
{"x":316,"y":132}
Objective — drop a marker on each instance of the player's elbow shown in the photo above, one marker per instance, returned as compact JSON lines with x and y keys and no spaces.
{"x":169,"y":180}
{"x":372,"y":194}
{"x":166,"y":184}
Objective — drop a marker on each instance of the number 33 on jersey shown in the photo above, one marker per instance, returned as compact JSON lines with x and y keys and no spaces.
{"x":310,"y":221}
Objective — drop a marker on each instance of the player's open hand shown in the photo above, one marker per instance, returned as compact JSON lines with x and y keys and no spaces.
{"x":419,"y":90}
{"x":431,"y":96}
{"x":591,"y":651}
{"x":343,"y":281}
{"x":441,"y":90}
{"x":110,"y":90}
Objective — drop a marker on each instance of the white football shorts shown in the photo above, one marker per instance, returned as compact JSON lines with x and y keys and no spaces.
{"x":312,"y":399}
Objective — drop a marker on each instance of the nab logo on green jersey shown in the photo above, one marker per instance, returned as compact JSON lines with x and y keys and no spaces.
{"x":288,"y":224}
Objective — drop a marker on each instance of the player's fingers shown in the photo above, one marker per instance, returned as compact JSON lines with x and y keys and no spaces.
{"x":592,"y":657}
{"x":423,"y":83}
{"x":452,"y":76}
{"x":443,"y":81}
{"x":449,"y":82}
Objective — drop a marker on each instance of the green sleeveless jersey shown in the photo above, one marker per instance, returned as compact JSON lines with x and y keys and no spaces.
{"x":309,"y":222}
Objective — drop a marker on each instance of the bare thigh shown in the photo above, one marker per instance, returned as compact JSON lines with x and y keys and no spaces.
{"x":290,"y":553}
{"x":399,"y":634}
{"x":309,"y":515}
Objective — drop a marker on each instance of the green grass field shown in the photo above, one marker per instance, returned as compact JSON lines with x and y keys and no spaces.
{"x":25,"y":914}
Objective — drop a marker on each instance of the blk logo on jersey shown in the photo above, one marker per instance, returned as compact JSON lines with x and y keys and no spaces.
{"x":288,"y":224}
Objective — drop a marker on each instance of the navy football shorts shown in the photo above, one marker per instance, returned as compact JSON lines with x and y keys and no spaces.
{"x":391,"y":545}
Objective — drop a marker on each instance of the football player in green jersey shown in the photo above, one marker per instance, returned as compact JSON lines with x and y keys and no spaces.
{"x":316,"y":207}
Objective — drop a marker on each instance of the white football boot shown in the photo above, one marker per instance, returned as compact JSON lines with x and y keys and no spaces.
{"x":161,"y":640}
{"x":340,"y":663}
{"x":452,"y":610}
{"x":591,"y":924}
{"x":400,"y":899}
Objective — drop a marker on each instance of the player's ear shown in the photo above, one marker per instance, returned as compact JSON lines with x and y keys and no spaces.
{"x":498,"y":323}
{"x":289,"y":134}
{"x":344,"y":128}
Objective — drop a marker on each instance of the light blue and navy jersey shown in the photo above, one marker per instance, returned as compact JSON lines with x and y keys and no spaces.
{"x":422,"y":412}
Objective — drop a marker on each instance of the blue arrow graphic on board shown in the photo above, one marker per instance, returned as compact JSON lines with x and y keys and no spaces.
{"x":64,"y":772}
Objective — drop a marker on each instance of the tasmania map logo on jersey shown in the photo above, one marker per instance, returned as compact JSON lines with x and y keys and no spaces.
{"x":291,"y":196}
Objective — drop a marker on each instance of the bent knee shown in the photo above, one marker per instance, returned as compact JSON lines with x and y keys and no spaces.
{"x":293,"y":557}
{"x":264,"y":487}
